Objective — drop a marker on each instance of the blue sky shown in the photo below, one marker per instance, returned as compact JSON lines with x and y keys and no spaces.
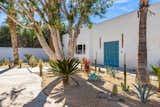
{"x":119,"y":7}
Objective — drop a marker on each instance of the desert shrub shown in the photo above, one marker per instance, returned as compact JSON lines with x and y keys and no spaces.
{"x":20,"y":62}
{"x":28,"y":56}
{"x":33,"y":61}
{"x":2,"y":62}
{"x":8,"y":62}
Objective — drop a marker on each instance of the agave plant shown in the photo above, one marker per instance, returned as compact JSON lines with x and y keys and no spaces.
{"x":143,"y":92}
{"x":65,"y":68}
{"x":156,"y":70}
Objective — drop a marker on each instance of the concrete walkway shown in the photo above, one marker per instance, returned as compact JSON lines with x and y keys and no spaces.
{"x":21,"y":88}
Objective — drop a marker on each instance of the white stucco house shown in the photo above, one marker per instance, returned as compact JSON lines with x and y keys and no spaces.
{"x":104,"y":41}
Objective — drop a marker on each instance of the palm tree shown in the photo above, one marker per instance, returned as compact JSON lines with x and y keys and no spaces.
{"x":12,"y":28}
{"x":142,"y":77}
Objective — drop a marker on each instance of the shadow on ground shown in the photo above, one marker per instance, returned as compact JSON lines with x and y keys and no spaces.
{"x":12,"y":96}
{"x":3,"y":71}
{"x":88,"y":94}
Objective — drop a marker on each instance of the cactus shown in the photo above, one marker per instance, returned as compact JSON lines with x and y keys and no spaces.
{"x":40,"y":63}
{"x":143,"y":92}
{"x":114,"y":90}
{"x":20,"y":62}
{"x":124,"y":85}
{"x":99,"y":69}
{"x":95,"y":65}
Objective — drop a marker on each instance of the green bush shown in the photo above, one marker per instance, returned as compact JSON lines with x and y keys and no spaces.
{"x":65,"y":68}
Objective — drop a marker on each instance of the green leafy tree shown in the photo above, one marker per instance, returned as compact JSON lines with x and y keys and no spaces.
{"x":5,"y":38}
{"x":55,"y":15}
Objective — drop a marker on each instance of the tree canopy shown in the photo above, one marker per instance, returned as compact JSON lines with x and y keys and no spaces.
{"x":56,"y":15}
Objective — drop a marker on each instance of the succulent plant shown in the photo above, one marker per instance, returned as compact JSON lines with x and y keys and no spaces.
{"x":143,"y":92}
{"x":95,"y":65}
{"x":124,"y":85}
{"x":65,"y":69}
{"x":114,"y":90}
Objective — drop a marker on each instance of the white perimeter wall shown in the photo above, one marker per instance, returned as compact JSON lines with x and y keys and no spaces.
{"x":7,"y":52}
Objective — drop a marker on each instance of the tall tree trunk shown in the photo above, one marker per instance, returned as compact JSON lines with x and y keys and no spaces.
{"x":71,"y":46}
{"x":57,"y":45}
{"x":142,"y":76}
{"x":51,"y":44}
{"x":43,"y":42}
{"x":12,"y":28}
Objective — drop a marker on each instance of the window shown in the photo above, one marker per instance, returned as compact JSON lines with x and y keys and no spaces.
{"x":81,"y":49}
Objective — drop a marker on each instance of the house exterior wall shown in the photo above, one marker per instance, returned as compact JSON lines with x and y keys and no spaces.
{"x":112,"y":30}
{"x":7,"y":52}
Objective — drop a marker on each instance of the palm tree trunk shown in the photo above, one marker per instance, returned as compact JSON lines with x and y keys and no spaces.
{"x":142,"y":76}
{"x":12,"y":28}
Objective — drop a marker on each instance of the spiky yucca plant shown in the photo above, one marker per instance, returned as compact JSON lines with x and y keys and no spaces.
{"x":65,"y":68}
{"x":156,"y":70}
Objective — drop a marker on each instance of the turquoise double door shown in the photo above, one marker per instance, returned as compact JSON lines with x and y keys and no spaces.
{"x":111,"y":54}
